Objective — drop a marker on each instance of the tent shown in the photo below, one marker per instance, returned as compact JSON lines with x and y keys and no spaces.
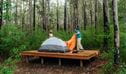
{"x":54,"y":44}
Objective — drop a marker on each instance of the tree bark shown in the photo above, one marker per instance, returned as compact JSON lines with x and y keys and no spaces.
{"x":57,"y":15}
{"x":16,"y":12}
{"x":106,"y":24}
{"x":44,"y":25}
{"x":30,"y":14}
{"x":91,"y":15}
{"x":75,"y":13}
{"x":116,"y":31}
{"x":65,"y":15}
{"x":84,"y":15}
{"x":34,"y":15}
{"x":1,"y":13}
{"x":96,"y":14}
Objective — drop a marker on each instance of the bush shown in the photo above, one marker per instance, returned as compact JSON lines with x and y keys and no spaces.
{"x":14,"y":40}
{"x":8,"y":66}
{"x":123,"y":46}
{"x":35,"y":40}
{"x":11,"y":40}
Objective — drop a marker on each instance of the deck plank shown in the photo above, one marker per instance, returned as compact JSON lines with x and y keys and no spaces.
{"x":82,"y":55}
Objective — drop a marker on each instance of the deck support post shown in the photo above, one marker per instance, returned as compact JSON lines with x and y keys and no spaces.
{"x":59,"y":62}
{"x":27,"y":59}
{"x":42,"y":61}
{"x":81,"y":63}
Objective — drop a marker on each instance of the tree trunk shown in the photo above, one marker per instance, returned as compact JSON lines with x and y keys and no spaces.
{"x":22,"y":16}
{"x":106,"y":24}
{"x":84,"y":15}
{"x":7,"y":11}
{"x":44,"y":25}
{"x":48,"y":14}
{"x":96,"y":14}
{"x":91,"y":15}
{"x":116,"y":31}
{"x":47,"y":10}
{"x":30,"y":14}
{"x":34,"y":15}
{"x":16,"y":12}
{"x":57,"y":14}
{"x":75,"y":13}
{"x":1,"y":13}
{"x":65,"y":15}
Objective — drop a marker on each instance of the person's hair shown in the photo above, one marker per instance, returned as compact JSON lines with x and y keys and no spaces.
{"x":77,"y":27}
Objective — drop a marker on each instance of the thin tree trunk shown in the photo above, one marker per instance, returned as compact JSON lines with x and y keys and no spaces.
{"x":84,"y":15}
{"x":106,"y":24}
{"x":22,"y":16}
{"x":7,"y":11}
{"x":34,"y":15}
{"x":44,"y":25}
{"x":1,"y":13}
{"x":30,"y":14}
{"x":65,"y":15}
{"x":75,"y":14}
{"x":48,"y":15}
{"x":116,"y":31}
{"x":16,"y":12}
{"x":91,"y":14}
{"x":47,"y":10}
{"x":96,"y":14}
{"x":57,"y":14}
{"x":91,"y":17}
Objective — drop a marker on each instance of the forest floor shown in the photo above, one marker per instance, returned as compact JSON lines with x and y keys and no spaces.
{"x":68,"y":67}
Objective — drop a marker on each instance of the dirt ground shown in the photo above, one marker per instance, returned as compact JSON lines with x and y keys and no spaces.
{"x":68,"y":67}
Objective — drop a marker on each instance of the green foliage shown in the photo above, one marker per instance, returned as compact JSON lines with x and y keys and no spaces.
{"x":7,"y":7}
{"x":63,"y":35}
{"x":6,"y":70}
{"x":107,"y":55}
{"x":8,"y":66}
{"x":108,"y":68}
{"x":123,"y":46}
{"x":122,"y":69}
{"x":35,"y":39}
{"x":11,"y":40}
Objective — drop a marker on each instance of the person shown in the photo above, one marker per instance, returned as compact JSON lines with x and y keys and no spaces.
{"x":50,"y":33}
{"x":78,"y":35}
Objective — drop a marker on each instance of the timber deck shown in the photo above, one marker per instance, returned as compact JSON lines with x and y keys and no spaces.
{"x":81,"y":55}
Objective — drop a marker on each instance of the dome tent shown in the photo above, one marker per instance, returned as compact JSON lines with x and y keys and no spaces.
{"x":53,"y":44}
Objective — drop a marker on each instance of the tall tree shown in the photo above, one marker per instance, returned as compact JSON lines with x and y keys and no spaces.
{"x":30,"y":13}
{"x":44,"y":14}
{"x":75,"y":12}
{"x":106,"y":24}
{"x":47,"y":12}
{"x":16,"y":12}
{"x":96,"y":14}
{"x":7,"y":11}
{"x":91,"y":13}
{"x":34,"y":15}
{"x":84,"y":15}
{"x":57,"y":14}
{"x":1,"y":13}
{"x":65,"y":15}
{"x":116,"y":31}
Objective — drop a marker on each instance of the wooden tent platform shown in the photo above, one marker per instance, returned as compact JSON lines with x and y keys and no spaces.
{"x":81,"y":55}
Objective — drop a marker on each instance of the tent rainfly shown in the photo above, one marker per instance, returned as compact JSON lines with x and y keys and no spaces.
{"x":53,"y":44}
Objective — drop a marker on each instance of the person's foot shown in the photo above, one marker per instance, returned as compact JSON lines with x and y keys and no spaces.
{"x":82,"y":49}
